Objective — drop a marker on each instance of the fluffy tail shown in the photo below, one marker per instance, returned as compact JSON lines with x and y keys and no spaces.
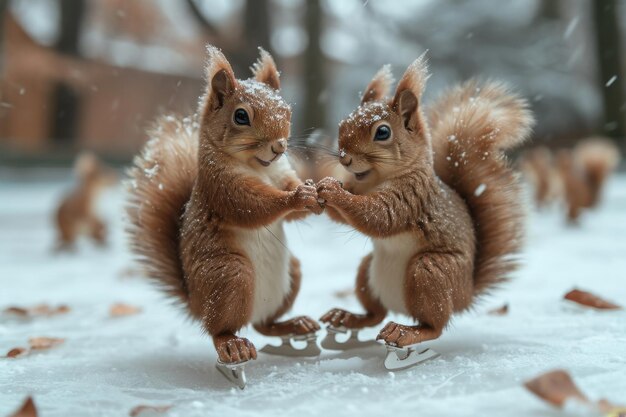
{"x":160,"y":185}
{"x":472,"y":124}
{"x":597,"y":158}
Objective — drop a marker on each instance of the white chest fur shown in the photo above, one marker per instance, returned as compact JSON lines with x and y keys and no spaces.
{"x":387,"y":272}
{"x":270,"y":260}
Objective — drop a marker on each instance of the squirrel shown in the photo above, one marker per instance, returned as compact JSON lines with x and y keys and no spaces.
{"x":75,"y":214}
{"x":440,"y":203}
{"x":584,"y":171}
{"x":208,"y":200}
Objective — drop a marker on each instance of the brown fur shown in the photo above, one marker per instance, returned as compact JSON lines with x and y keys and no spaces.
{"x":452,"y":237}
{"x":584,"y":171}
{"x":222,"y":181}
{"x":75,"y":214}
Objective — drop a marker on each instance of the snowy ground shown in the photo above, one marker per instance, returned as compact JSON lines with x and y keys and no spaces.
{"x":107,"y":366}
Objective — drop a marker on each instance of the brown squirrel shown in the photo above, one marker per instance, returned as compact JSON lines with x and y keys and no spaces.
{"x":75,"y":214}
{"x":440,"y":203}
{"x":208,"y":203}
{"x":584,"y":171}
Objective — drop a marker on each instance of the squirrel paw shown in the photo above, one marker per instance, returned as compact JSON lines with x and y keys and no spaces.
{"x":329,"y":188}
{"x":235,"y":350}
{"x":399,"y":335}
{"x":342,"y":318}
{"x":304,"y":196}
{"x":303,"y":325}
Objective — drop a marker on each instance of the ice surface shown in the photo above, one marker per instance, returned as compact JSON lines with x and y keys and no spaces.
{"x":108,"y":366}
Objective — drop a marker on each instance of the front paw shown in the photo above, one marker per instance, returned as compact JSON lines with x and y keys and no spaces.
{"x":303,"y":325}
{"x":329,"y":190}
{"x":342,"y":318}
{"x":399,"y":335}
{"x":235,"y":350}
{"x":304,"y":197}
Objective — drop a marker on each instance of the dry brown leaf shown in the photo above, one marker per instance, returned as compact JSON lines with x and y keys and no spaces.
{"x":40,"y":343}
{"x":28,"y":409}
{"x":18,"y":311}
{"x":555,"y":387}
{"x":38,"y":310}
{"x":345,"y":293}
{"x":17,"y":352}
{"x":120,"y":309}
{"x":154,"y":408}
{"x":590,"y":300}
{"x":501,"y":311}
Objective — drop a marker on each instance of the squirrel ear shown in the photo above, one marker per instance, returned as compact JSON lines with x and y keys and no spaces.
{"x":409,"y":92}
{"x":264,"y":70}
{"x":380,"y":85}
{"x":220,"y":78}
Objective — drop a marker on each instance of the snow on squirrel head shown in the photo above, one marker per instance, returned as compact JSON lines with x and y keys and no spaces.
{"x":247,"y":119}
{"x":383,"y":137}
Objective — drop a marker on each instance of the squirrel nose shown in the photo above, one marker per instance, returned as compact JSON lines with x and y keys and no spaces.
{"x":345,"y":159}
{"x":280,"y":146}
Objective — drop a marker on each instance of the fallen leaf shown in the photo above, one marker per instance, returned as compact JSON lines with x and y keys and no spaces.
{"x":40,"y":343}
{"x":344,"y":293}
{"x":18,"y":311}
{"x":501,"y":311}
{"x":39,"y":310}
{"x":153,"y":408}
{"x":590,"y":300}
{"x":120,"y":309}
{"x":17,"y":352}
{"x":555,"y":387}
{"x":28,"y":409}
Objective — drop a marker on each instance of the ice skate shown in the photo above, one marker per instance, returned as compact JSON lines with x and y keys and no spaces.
{"x":404,"y":357}
{"x":234,"y":372}
{"x":286,"y":348}
{"x":330,"y":342}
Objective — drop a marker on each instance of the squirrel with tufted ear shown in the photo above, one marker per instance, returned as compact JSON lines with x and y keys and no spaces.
{"x":207,"y":206}
{"x":440,"y":203}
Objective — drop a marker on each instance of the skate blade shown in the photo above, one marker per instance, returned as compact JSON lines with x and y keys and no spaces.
{"x":402,"y":358}
{"x":286,"y":348}
{"x":330,"y":342}
{"x":234,"y":372}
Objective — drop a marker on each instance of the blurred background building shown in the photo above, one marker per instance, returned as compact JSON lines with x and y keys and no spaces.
{"x":92,"y":74}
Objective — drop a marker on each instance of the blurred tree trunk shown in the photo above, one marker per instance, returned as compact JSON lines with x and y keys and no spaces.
{"x":4,"y":4}
{"x":66,"y":101}
{"x":550,"y":9}
{"x":257,"y":29}
{"x":608,"y":45}
{"x":314,"y":112}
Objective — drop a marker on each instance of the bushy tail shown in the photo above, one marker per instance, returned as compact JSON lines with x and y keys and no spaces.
{"x":472,"y":125}
{"x":597,"y":158}
{"x":160,"y":185}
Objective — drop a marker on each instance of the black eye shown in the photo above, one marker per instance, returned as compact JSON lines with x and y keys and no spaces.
{"x":241,"y":117}
{"x":382,"y":133}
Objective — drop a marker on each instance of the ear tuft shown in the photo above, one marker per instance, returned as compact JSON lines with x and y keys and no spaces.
{"x":414,"y":78}
{"x":220,"y":78}
{"x":380,"y":85}
{"x":264,"y":70}
{"x":409,"y":91}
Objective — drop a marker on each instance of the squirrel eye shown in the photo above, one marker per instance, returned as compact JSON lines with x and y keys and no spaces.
{"x":382,"y":133}
{"x":241,"y":117}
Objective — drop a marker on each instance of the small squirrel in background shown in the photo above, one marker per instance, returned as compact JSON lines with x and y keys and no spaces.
{"x":584,"y":171}
{"x":208,"y":201}
{"x":440,"y":203}
{"x":76,"y":212}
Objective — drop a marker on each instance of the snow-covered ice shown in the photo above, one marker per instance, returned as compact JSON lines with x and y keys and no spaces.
{"x":107,"y":366}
